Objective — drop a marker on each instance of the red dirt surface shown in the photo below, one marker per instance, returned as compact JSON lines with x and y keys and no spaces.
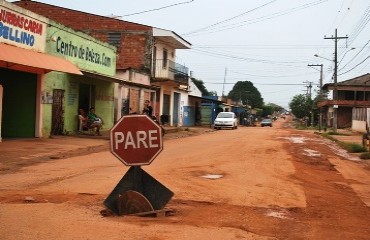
{"x":275,"y":183}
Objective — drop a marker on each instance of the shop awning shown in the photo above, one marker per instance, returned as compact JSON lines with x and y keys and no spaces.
{"x":27,"y":60}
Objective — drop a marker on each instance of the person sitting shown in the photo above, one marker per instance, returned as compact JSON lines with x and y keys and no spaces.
{"x":82,"y":120}
{"x":94,"y":121}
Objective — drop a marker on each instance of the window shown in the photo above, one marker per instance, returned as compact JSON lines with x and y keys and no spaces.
{"x":165,"y":58}
{"x":114,"y":39}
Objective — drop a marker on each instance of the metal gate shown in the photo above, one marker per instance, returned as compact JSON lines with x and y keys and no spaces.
{"x":57,"y":121}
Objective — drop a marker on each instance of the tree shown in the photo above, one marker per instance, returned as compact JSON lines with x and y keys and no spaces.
{"x":301,"y":106}
{"x":202,"y":88}
{"x":267,"y":110}
{"x":276,"y":108}
{"x":247,"y":93}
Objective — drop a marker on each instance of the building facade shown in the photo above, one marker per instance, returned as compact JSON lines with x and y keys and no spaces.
{"x":146,"y":60}
{"x":24,"y":66}
{"x":49,"y":72}
{"x":352,"y":104}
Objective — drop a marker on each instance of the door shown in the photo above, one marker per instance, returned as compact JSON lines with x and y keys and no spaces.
{"x":86,"y":97}
{"x":19,"y":104}
{"x":165,"y":117}
{"x":176,"y":107}
{"x":57,"y":115}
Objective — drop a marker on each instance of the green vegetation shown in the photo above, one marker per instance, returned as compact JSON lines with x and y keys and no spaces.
{"x":202,"y":88}
{"x":247,"y":93}
{"x":365,"y":156}
{"x":350,"y":147}
{"x":353,"y":147}
{"x":301,"y":106}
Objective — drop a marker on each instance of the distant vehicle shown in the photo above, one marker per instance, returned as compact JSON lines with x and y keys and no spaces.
{"x":266,"y":122}
{"x":226,"y":120}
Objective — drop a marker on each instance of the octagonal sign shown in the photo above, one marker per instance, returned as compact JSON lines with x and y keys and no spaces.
{"x":136,"y":140}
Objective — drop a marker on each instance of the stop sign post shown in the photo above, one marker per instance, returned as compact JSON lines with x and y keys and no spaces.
{"x":136,"y":140}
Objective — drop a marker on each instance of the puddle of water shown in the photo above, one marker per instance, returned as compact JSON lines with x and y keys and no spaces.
{"x":311,"y":153}
{"x":295,"y":139}
{"x":275,"y":214}
{"x":339,"y":151}
{"x":212,"y":176}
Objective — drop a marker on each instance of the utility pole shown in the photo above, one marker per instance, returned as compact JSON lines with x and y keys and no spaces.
{"x":320,"y":90}
{"x":309,"y":97}
{"x":309,"y":88}
{"x":223,"y":86}
{"x":335,"y":90}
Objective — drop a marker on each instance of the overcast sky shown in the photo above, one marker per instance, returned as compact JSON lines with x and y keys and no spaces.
{"x":267,"y":42}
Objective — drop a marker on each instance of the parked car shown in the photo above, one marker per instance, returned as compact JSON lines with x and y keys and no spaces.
{"x":266,"y":122}
{"x":226,"y":120}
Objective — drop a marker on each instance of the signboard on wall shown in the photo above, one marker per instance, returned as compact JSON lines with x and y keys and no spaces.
{"x":85,"y":51}
{"x":21,"y":30}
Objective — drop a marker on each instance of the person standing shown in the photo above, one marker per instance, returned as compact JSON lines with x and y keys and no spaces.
{"x":148,"y":110}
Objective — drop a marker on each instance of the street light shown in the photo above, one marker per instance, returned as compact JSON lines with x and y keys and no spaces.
{"x":331,"y":60}
{"x":345,"y":55}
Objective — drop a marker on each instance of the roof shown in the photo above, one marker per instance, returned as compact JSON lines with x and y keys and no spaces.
{"x":357,"y":81}
{"x":166,"y":35}
{"x":171,"y":38}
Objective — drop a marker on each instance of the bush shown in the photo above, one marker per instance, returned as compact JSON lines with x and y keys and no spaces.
{"x":336,"y":133}
{"x":365,"y":155}
{"x":354,"y":147}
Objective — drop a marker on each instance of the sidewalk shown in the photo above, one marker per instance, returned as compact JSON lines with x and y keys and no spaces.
{"x":15,"y":153}
{"x":348,"y":136}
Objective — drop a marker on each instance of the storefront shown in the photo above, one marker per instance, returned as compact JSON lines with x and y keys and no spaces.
{"x":23,"y":67}
{"x":95,"y":88}
{"x":42,"y":85}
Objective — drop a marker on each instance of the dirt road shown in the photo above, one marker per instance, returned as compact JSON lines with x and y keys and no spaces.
{"x":273,"y":183}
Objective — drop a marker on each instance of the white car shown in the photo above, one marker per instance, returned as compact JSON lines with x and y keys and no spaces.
{"x":226,"y":120}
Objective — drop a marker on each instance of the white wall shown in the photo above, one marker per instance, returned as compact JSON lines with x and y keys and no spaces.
{"x":358,"y":126}
{"x":194,"y":90}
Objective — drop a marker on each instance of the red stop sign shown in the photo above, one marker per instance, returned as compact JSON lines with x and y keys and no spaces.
{"x":136,"y":140}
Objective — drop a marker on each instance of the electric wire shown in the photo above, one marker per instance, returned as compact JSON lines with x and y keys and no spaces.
{"x":157,"y":9}
{"x":355,"y":66}
{"x":229,"y":19}
{"x":354,"y":56}
{"x":255,"y":20}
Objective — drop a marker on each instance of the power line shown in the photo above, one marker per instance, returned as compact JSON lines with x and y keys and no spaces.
{"x":269,"y":84}
{"x":255,"y":20}
{"x":229,"y":19}
{"x":157,"y":9}
{"x":227,"y":56}
{"x":355,"y":56}
{"x":355,"y":66}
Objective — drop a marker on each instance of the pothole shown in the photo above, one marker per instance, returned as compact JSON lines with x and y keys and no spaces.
{"x":311,"y":153}
{"x":295,"y":139}
{"x":277,"y":214}
{"x":212,"y":176}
